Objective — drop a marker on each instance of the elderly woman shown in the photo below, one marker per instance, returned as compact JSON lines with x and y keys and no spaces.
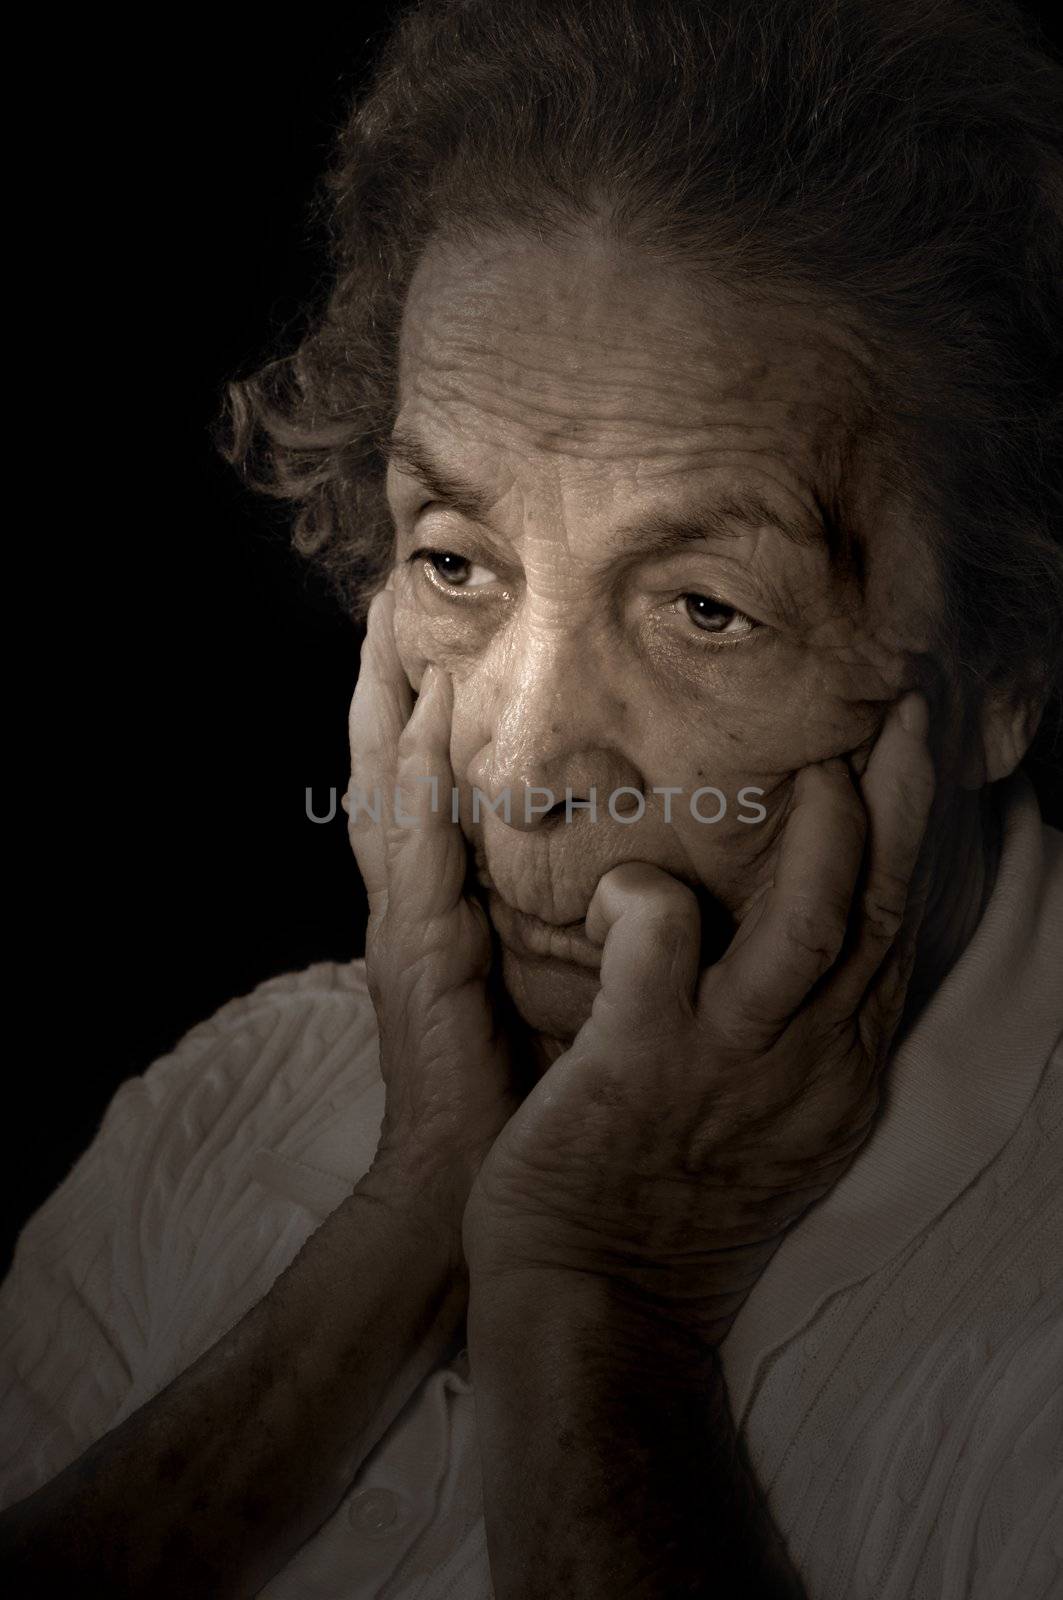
{"x":669,"y":1205}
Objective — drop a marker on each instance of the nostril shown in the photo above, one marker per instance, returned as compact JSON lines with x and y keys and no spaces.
{"x":625,"y":802}
{"x":558,"y":811}
{"x":619,"y":803}
{"x":588,"y":804}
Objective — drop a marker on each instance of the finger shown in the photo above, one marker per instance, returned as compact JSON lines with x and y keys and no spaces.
{"x":427,"y":859}
{"x":898,"y":790}
{"x":379,"y":711}
{"x":383,"y":699}
{"x":884,"y":1005}
{"x":801,"y":923}
{"x":650,"y":926}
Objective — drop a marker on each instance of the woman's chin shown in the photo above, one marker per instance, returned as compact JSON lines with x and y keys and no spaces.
{"x":551,"y":996}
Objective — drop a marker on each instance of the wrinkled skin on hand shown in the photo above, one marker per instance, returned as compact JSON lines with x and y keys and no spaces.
{"x":697,"y":1115}
{"x":644,"y":534}
{"x":578,"y":431}
{"x":448,"y":1065}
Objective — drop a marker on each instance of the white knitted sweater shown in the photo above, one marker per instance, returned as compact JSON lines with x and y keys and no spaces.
{"x":897,"y":1371}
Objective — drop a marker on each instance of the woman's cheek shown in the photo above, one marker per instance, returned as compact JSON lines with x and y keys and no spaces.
{"x":745,"y":771}
{"x":727,"y":836}
{"x":795,"y":724}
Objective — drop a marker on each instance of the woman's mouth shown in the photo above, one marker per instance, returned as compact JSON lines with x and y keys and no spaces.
{"x":528,"y":935}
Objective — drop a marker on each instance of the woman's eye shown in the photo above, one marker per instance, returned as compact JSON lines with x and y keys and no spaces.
{"x":716,"y":617}
{"x":457,"y":572}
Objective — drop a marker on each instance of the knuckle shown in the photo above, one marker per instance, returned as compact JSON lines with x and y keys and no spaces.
{"x":815,"y":932}
{"x":363,"y":835}
{"x":369,"y":754}
{"x":668,"y":917}
{"x":883,"y":907}
{"x":742,"y":1018}
{"x":882,"y":923}
{"x":396,"y":841}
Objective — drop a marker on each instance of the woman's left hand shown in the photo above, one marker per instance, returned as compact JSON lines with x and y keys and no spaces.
{"x":697,"y":1115}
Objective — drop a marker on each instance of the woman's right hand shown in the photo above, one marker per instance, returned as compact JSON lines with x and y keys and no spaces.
{"x":445,"y":1054}
{"x":249,"y":1447}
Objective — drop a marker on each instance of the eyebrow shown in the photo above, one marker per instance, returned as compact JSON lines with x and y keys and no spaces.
{"x":409,"y":452}
{"x":653,"y":534}
{"x":662,"y":533}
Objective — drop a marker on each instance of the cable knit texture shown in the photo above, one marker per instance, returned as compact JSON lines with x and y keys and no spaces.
{"x":896,"y":1372}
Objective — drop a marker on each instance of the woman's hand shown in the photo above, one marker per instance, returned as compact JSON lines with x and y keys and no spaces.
{"x":444,"y":1056}
{"x":214,"y":1484}
{"x":697,"y":1116}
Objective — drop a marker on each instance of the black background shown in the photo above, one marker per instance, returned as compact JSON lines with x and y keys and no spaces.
{"x":184,"y":678}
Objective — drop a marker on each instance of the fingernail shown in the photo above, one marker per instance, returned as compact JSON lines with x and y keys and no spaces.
{"x":914,"y":715}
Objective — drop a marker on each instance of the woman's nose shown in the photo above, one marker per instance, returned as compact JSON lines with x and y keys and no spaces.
{"x":549,"y":750}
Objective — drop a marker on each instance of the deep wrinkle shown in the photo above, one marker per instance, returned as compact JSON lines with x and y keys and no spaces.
{"x":657,"y":534}
{"x":577,"y":668}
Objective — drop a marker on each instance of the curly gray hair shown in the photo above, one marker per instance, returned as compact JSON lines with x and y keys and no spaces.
{"x":900,"y":163}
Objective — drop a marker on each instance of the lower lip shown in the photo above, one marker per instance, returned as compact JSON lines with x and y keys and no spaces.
{"x":527,"y":935}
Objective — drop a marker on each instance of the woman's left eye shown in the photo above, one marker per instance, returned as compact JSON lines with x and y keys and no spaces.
{"x":457,"y":572}
{"x":716,"y":617}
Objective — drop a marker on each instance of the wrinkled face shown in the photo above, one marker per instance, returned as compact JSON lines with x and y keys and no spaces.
{"x":608,"y":501}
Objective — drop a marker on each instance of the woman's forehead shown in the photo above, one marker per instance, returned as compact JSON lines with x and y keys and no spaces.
{"x":595,"y":374}
{"x":601,"y":354}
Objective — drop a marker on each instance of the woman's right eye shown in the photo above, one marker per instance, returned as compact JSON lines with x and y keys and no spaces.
{"x":446,"y":567}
